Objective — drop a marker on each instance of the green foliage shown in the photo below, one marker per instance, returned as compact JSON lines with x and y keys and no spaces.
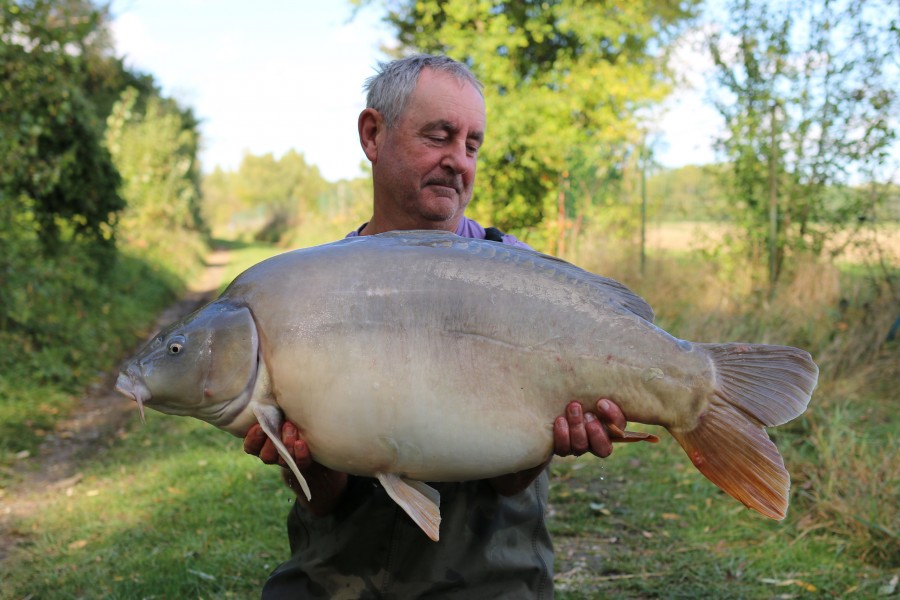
{"x":50,"y":131}
{"x":564,"y":81}
{"x":266,"y":197}
{"x":64,"y":326}
{"x":155,"y":147}
{"x":70,"y":304}
{"x":690,"y":193}
{"x":345,"y":206}
{"x":283,"y":200}
{"x":810,"y":103}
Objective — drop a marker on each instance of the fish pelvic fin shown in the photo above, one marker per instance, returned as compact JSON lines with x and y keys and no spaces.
{"x":756,"y":386}
{"x":418,"y":499}
{"x":270,"y":420}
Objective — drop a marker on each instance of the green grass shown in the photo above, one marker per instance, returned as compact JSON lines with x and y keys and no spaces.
{"x":644,"y":524}
{"x":77,"y":326}
{"x":175,"y":509}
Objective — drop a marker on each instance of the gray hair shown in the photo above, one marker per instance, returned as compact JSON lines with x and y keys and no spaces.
{"x":389,"y":90}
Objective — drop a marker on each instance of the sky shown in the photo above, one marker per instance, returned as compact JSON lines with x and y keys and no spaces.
{"x":289,"y":74}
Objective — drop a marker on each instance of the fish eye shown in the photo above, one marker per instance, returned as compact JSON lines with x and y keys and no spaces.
{"x":176,"y":345}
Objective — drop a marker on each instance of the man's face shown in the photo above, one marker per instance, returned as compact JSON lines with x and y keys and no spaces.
{"x":425,"y":166}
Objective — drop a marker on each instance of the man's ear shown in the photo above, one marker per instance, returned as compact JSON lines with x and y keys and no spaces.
{"x":371,"y":132}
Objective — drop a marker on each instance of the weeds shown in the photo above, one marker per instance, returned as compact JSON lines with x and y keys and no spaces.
{"x":842,"y":451}
{"x":66,"y":323}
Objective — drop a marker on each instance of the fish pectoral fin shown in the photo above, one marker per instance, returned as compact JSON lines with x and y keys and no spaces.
{"x":620,"y":436}
{"x":420,"y":501}
{"x":270,"y":419}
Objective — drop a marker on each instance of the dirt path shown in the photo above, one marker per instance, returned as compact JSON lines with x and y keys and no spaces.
{"x":96,"y":420}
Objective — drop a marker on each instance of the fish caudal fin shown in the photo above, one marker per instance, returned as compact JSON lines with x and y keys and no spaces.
{"x":270,"y":420}
{"x":420,"y":501}
{"x":756,"y":386}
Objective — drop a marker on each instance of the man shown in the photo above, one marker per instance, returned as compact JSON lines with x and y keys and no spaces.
{"x":422,"y":129}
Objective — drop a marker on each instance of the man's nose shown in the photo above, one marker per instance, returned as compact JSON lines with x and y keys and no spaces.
{"x":456,"y":158}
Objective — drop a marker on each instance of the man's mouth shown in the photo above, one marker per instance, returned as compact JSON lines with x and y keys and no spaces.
{"x":451,"y":185}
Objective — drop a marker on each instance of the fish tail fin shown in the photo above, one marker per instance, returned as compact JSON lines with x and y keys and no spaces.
{"x":755,"y":386}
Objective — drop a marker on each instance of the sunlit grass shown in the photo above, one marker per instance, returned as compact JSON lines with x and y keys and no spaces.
{"x":175,"y":509}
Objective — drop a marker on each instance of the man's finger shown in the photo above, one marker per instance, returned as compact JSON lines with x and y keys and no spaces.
{"x":609,"y":412}
{"x":578,"y":437}
{"x":302,"y":456}
{"x":254,"y":440}
{"x":289,"y":436}
{"x":561,"y":445}
{"x":599,"y":440}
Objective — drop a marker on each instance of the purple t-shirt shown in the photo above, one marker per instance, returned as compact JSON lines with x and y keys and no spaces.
{"x":471,"y":229}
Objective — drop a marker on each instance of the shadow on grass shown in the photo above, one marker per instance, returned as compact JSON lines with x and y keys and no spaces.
{"x":172,"y":510}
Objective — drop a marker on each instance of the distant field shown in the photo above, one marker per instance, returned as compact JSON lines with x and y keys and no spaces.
{"x":688,"y":235}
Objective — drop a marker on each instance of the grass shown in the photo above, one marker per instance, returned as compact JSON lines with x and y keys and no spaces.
{"x":175,"y":509}
{"x":645,"y":524}
{"x":42,"y":372}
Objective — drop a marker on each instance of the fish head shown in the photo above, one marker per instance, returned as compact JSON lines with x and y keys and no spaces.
{"x":204,"y":366}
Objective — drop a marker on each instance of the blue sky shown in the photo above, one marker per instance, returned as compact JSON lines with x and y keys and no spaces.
{"x":288,"y":74}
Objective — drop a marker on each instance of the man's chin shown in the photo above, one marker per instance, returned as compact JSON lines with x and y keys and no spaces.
{"x":440,"y":208}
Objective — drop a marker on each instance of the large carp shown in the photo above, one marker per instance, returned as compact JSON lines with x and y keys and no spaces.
{"x":423,"y":356}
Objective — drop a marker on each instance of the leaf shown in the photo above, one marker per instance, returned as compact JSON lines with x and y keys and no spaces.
{"x":600,"y":508}
{"x":890,"y":587}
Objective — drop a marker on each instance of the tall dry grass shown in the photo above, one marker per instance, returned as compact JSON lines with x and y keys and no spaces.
{"x":842,"y":451}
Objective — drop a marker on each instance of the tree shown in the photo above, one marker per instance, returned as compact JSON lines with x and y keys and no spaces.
{"x":154,"y":145}
{"x":52,"y":162}
{"x":565,"y":82}
{"x":810,"y":103}
{"x":265,"y":196}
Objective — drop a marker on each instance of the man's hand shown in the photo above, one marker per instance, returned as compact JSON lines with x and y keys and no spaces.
{"x":257,"y":443}
{"x":578,"y":432}
{"x":325,"y":485}
{"x":574,"y":433}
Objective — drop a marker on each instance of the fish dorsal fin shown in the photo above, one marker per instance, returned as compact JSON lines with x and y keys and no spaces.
{"x":420,"y":501}
{"x":615,"y":291}
{"x":270,"y":419}
{"x":624,"y":296}
{"x":611,"y":290}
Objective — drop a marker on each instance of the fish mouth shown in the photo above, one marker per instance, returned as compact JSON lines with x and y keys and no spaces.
{"x":127,"y":385}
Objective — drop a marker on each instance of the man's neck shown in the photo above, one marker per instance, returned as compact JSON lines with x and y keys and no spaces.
{"x":376,"y":225}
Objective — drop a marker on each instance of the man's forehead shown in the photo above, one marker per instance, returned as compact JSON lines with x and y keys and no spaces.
{"x":442,"y":97}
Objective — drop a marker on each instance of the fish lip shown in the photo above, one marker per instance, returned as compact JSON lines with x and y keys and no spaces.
{"x":128,"y":385}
